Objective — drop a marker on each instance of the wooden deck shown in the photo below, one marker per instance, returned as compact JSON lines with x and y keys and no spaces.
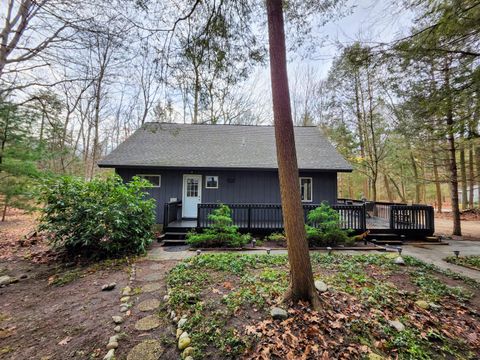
{"x":393,"y":219}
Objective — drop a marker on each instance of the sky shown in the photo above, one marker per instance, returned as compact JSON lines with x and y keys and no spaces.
{"x":370,"y":21}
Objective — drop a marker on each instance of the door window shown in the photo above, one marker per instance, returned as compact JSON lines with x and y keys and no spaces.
{"x":192,"y":187}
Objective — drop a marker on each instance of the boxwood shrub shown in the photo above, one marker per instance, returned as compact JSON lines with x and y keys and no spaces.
{"x":98,"y":218}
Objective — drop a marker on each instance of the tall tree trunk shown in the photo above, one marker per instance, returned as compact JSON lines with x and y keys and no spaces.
{"x":463,"y":172}
{"x":471,"y":175}
{"x":415,"y":174}
{"x":438,"y":188}
{"x":5,"y":206}
{"x":477,"y":162}
{"x":196,"y":96}
{"x":387,"y":188}
{"x":457,"y":229}
{"x":301,"y":276}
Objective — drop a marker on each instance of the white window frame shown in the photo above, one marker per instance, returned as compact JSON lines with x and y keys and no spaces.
{"x":311,"y":188}
{"x":151,"y":185}
{"x":206,"y":182}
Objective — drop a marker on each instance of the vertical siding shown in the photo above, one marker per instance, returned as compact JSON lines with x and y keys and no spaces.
{"x":248,"y":186}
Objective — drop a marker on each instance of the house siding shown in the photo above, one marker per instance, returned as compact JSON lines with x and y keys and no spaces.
{"x":248,"y":186}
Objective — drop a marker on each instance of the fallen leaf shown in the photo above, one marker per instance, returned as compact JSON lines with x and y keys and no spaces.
{"x":65,"y":341}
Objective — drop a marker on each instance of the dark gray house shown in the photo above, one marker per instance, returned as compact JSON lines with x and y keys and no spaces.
{"x":195,"y":167}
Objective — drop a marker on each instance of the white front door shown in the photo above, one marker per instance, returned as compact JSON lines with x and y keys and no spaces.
{"x":192,"y":195}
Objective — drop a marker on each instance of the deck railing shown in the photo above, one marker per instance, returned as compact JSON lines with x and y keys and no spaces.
{"x":254,"y":217}
{"x":416,"y":219}
{"x":171,"y":212}
{"x":412,"y":219}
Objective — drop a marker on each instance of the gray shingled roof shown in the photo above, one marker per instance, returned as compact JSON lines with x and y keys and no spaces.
{"x":220,"y":146}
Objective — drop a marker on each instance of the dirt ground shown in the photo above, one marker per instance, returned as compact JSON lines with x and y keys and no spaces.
{"x":39,"y":319}
{"x":470,"y":229}
{"x":42,"y":321}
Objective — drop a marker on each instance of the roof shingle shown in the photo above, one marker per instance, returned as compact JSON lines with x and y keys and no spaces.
{"x":220,"y":146}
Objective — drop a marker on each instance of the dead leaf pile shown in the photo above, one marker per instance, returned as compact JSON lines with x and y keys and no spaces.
{"x":329,"y":333}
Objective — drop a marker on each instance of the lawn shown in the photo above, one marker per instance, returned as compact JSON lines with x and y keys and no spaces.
{"x":471,"y":261}
{"x":373,"y":309}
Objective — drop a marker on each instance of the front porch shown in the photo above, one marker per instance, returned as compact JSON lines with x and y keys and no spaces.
{"x":383,"y":220}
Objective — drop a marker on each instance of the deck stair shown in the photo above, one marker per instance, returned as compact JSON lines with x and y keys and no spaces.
{"x":385,"y":239}
{"x":175,"y":237}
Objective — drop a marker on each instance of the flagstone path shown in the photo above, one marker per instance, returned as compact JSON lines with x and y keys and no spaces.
{"x":147,"y":326}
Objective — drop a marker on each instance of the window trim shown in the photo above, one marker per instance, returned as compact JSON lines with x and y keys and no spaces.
{"x":206,"y":182}
{"x":151,"y":185}
{"x":311,"y":188}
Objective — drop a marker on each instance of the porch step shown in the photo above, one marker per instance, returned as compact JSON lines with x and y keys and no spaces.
{"x":385,"y":239}
{"x":174,"y":242}
{"x":175,"y":235}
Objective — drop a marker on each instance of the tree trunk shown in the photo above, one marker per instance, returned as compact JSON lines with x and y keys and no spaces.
{"x":471,"y":176}
{"x":463,"y":172}
{"x":477,"y":161}
{"x":417,"y":182}
{"x":387,"y":188}
{"x":438,"y":188}
{"x":457,"y":230}
{"x":5,"y":206}
{"x":301,"y":276}
{"x":196,"y":95}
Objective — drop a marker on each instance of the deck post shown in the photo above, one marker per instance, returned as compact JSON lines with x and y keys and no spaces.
{"x":198,"y":216}
{"x":364,"y":215}
{"x":165,"y":216}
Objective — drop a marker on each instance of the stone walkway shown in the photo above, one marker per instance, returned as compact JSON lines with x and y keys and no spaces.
{"x":147,"y":325}
{"x":434,"y":254}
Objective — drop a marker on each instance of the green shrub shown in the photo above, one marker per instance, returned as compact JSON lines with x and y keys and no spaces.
{"x":324,"y":229}
{"x":222,"y":232}
{"x":278,"y":238}
{"x":98,"y":218}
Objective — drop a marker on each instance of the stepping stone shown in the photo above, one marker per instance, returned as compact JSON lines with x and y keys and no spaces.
{"x":321,"y":286}
{"x":146,"y":350}
{"x":156,"y":276}
{"x":148,"y":305}
{"x":151,"y":287}
{"x":147,"y":323}
{"x":157,"y":267}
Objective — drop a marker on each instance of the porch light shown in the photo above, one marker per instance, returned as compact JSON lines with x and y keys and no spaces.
{"x":268,"y":251}
{"x":329,"y":249}
{"x":456,"y":252}
{"x":199,"y":251}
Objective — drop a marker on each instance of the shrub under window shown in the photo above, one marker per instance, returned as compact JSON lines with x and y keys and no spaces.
{"x":98,"y":218}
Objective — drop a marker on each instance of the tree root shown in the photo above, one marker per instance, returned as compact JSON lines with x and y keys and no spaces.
{"x":312,"y":298}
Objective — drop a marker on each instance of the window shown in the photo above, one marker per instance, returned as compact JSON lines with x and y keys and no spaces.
{"x":211,"y":182}
{"x":306,"y":189}
{"x":154,"y":180}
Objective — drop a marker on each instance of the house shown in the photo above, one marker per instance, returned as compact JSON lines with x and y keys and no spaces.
{"x":232,"y":164}
{"x":194,"y":168}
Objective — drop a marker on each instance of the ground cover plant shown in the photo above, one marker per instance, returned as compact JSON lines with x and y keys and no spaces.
{"x":221,"y":233}
{"x":373,"y":309}
{"x":98,"y":218}
{"x":471,"y":261}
